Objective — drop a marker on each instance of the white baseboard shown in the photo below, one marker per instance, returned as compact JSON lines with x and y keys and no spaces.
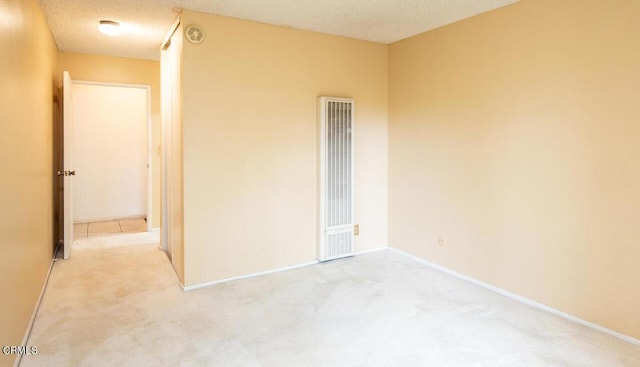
{"x":82,"y":221}
{"x":370,"y":251}
{"x":214,"y":282}
{"x":455,"y":274}
{"x":520,"y":299}
{"x":208,"y":284}
{"x":27,"y":333}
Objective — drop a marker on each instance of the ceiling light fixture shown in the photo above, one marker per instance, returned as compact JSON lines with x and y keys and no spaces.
{"x":109,"y":27}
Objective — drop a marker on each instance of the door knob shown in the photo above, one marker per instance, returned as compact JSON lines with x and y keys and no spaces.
{"x":66,"y":173}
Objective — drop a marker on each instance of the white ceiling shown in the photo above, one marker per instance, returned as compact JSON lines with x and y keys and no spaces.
{"x":146,"y":22}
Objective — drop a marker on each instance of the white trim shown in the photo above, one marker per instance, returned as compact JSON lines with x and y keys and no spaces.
{"x":166,"y":42}
{"x":27,"y":333}
{"x":109,"y":84}
{"x":150,"y":167}
{"x":520,"y":299}
{"x":277,"y":270}
{"x":370,"y":251}
{"x":252,"y":275}
{"x":139,"y":216}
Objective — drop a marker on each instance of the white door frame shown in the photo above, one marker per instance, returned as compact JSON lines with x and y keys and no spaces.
{"x":147,"y":88}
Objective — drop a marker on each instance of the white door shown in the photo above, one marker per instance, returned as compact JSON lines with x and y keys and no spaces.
{"x":68,"y":171}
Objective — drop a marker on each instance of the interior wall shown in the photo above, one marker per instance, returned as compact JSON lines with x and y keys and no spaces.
{"x":514,"y":136}
{"x":110,"y":136}
{"x":109,"y":69}
{"x":249,"y":99}
{"x":28,"y":64}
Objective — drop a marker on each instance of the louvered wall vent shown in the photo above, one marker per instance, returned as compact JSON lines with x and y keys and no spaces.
{"x":335,"y":122}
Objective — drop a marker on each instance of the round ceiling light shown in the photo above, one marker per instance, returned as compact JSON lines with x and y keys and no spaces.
{"x":109,"y":27}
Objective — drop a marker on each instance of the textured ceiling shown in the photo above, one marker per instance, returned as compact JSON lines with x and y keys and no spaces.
{"x":146,"y":22}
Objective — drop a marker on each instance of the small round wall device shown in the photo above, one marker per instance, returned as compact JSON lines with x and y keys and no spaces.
{"x":194,"y":33}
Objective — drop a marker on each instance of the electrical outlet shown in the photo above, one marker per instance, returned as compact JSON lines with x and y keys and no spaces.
{"x":441,"y":241}
{"x":356,"y":230}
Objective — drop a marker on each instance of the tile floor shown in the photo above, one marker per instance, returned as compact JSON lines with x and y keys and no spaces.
{"x":108,"y":227}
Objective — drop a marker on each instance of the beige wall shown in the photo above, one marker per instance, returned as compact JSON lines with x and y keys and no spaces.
{"x":109,"y":69}
{"x":27,"y":65}
{"x":514,"y":134}
{"x":249,"y":103}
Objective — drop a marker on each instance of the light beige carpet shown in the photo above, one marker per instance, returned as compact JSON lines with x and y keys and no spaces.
{"x":114,"y":304}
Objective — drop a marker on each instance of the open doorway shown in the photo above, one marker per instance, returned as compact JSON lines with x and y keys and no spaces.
{"x":111,"y":144}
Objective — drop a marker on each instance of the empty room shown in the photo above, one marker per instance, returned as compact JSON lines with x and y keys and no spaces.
{"x":321,"y":183}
